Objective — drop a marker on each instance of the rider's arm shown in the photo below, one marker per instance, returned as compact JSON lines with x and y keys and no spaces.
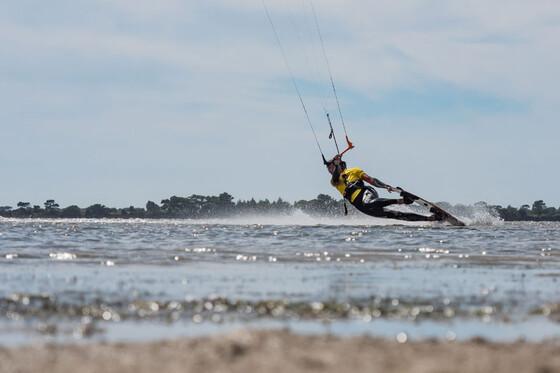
{"x":377,"y":183}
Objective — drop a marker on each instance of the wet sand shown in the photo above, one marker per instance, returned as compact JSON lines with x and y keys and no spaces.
{"x":281,"y":351}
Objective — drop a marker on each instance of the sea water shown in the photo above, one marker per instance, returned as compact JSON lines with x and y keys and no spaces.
{"x":88,"y":280}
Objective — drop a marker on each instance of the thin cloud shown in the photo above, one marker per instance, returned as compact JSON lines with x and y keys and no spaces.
{"x":186,"y":79}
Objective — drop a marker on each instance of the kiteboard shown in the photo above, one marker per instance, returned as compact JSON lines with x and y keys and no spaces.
{"x":438,"y":211}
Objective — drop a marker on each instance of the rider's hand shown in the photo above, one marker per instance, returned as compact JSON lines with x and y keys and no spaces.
{"x":392,"y":190}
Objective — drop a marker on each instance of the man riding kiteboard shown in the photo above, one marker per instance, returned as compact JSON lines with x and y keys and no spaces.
{"x":350,"y":182}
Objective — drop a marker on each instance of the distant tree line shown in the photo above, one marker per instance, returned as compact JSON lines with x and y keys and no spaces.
{"x":192,"y":207}
{"x":198,"y":207}
{"x":537,"y":212}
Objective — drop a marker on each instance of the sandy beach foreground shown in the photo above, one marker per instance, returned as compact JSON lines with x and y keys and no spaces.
{"x":282,"y":351}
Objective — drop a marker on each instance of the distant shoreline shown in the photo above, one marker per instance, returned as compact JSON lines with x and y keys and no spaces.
{"x":218,"y":219}
{"x":223,"y":206}
{"x":282,"y":351}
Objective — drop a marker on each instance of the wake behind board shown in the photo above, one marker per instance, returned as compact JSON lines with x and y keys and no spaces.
{"x":445,"y":216}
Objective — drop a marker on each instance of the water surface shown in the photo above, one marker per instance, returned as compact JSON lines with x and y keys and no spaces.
{"x":101,"y":279}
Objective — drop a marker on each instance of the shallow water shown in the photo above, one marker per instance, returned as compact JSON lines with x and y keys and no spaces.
{"x":100,"y":279}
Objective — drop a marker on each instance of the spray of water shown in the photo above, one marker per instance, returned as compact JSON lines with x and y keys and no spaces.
{"x":479,"y":214}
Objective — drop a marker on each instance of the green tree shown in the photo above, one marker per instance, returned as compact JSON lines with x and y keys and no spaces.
{"x":538,"y":207}
{"x":152,"y":210}
{"x":97,"y":211}
{"x":23,"y":205}
{"x":70,"y":212}
{"x":524,"y":212}
{"x":133,"y":212}
{"x":322,"y":205}
{"x":23,"y":210}
{"x":176,"y":207}
{"x":225,"y":204}
{"x":281,"y":206}
{"x":52,"y":209}
{"x":5,"y":208}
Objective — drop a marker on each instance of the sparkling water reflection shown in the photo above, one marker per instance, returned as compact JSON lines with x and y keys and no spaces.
{"x":103,"y":271}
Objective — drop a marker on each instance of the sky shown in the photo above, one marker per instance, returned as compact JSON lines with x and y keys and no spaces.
{"x":125,"y":101}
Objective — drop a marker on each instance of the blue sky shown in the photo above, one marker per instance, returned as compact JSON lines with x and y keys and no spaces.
{"x":124,"y":101}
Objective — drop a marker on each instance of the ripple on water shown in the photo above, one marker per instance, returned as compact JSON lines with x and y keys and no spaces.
{"x":112,"y":270}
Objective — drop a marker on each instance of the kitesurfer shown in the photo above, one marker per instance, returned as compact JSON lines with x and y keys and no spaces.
{"x":350,"y":182}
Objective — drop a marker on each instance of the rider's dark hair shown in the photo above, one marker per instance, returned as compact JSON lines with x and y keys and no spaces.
{"x":337,"y":171}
